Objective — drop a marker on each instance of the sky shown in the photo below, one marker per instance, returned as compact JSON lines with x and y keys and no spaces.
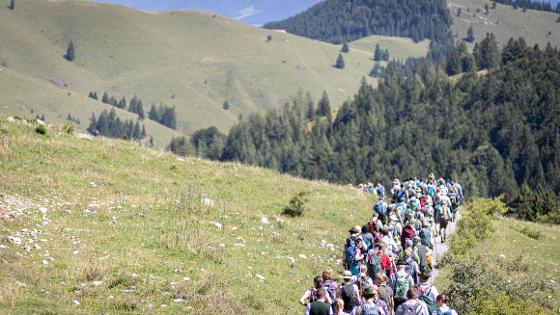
{"x":255,"y":12}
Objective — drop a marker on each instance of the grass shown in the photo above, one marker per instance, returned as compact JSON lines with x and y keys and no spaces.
{"x":520,"y":258}
{"x":128,"y":230}
{"x":504,"y":22}
{"x":194,"y":61}
{"x":399,"y":48}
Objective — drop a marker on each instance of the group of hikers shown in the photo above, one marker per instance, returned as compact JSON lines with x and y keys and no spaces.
{"x":388,"y":261}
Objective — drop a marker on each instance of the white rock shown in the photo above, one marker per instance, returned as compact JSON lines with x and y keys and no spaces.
{"x":40,"y":122}
{"x":14,"y":239}
{"x":218,"y":225}
{"x":180,"y":159}
{"x":84,"y":136}
{"x":291,"y":260}
{"x":261,"y":278}
{"x":11,"y":119}
{"x":222,"y":245}
{"x":76,"y":252}
{"x":502,"y":255}
{"x":264,"y":221}
{"x":178,"y":300}
{"x":97,"y":283}
{"x":45,"y":262}
{"x":208,"y":202}
{"x":76,"y":302}
{"x":302,"y":256}
{"x":43,"y":210}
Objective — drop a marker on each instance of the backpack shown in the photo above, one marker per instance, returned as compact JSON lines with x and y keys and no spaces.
{"x":313,"y":295}
{"x":331,"y":287}
{"x":400,"y":195}
{"x":401,"y":287}
{"x":348,"y":295}
{"x":440,"y":312}
{"x":408,"y":232}
{"x":369,"y":309}
{"x":425,"y":237}
{"x":351,"y":255}
{"x":432,"y":308}
{"x":374,"y":264}
{"x":362,"y":283}
{"x":410,"y":309}
{"x":378,"y":207}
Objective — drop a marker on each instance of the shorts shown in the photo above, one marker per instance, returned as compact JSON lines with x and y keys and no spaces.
{"x":443,"y":223}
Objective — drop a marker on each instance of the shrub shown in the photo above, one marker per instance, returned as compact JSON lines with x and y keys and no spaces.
{"x":42,"y":130}
{"x":69,"y":129}
{"x":296,"y":207}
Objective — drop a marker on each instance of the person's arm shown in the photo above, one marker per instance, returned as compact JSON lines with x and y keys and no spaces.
{"x":308,"y":309}
{"x":304,"y":297}
{"x":357,"y":292}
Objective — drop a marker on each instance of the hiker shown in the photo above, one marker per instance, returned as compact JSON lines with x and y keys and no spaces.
{"x":349,"y":293}
{"x":444,"y":217}
{"x":425,"y":235}
{"x":412,"y":306}
{"x":350,"y":248}
{"x":442,"y":308}
{"x":363,"y":280}
{"x":329,"y":284}
{"x":310,"y":295}
{"x":427,"y":292}
{"x":421,"y":252}
{"x":385,"y":291}
{"x":370,"y":307}
{"x":380,"y":189}
{"x":339,"y":307}
{"x":403,"y":283}
{"x":359,"y":256}
{"x":377,"y":260}
{"x":412,"y":266}
{"x":321,"y":306}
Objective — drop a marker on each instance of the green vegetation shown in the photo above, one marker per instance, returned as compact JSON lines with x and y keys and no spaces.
{"x":337,"y":21}
{"x":503,"y":22}
{"x":490,"y":132}
{"x":340,"y":62}
{"x":70,"y":52}
{"x":501,"y":266}
{"x":400,"y":48}
{"x":128,"y":229}
{"x":296,"y":207}
{"x":161,"y":58}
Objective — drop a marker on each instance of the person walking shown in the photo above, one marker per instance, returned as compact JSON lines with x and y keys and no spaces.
{"x":321,"y":306}
{"x":412,"y":306}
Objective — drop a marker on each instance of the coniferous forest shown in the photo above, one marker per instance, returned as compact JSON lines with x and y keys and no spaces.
{"x":339,"y":21}
{"x":493,"y":131}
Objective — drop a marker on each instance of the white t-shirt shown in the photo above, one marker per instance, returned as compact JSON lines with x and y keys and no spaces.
{"x":446,"y":308}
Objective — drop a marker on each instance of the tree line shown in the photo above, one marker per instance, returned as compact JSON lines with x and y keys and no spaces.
{"x":163,"y":114}
{"x":340,"y":21}
{"x":494,"y":132}
{"x":529,"y":4}
{"x":108,"y":124}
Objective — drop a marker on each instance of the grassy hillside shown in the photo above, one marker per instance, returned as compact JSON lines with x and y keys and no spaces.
{"x":399,"y":47}
{"x":504,"y":22}
{"x":123,"y":229}
{"x":194,"y":61}
{"x":503,"y":264}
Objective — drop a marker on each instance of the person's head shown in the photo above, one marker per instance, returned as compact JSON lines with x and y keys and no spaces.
{"x":407,"y":252}
{"x":425,"y":277}
{"x":425,"y":224}
{"x":317,"y":281}
{"x":339,"y":305}
{"x":347,"y":276}
{"x":370,"y":294}
{"x":401,"y":264}
{"x":413,"y":292}
{"x":381,"y":278}
{"x":354,"y":230}
{"x":328,"y":274}
{"x":416,"y":240}
{"x":441,"y":300}
{"x":363,"y":269}
{"x":322,"y":294}
{"x":385,"y":231}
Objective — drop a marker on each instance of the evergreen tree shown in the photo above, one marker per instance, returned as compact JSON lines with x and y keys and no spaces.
{"x":459,"y":11}
{"x":377,"y":54}
{"x":225,"y":106}
{"x":140,"y":109}
{"x":310,"y":107}
{"x":324,"y":106}
{"x":486,"y":9}
{"x":378,"y":71}
{"x":487,"y":54}
{"x":470,"y":35}
{"x":494,"y":5}
{"x":345,"y":49}
{"x":12,"y":5}
{"x":105,"y":98}
{"x":340,"y":62}
{"x":70,"y":52}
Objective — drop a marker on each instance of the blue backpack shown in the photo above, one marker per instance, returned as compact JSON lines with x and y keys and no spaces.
{"x":370,"y":309}
{"x":351,"y":255}
{"x":378,"y":207}
{"x":440,"y":312}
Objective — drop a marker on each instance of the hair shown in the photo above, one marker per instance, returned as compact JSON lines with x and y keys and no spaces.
{"x":412,"y":293}
{"x":408,"y":252}
{"x":380,"y":277}
{"x":338,"y":305}
{"x":322,"y":293}
{"x":317,"y":281}
{"x":442,"y":298}
{"x":328,"y":274}
{"x":363,"y":268}
{"x":384,"y":230}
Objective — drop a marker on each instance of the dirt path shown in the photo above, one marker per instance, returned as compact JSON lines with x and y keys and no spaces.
{"x":442,"y":248}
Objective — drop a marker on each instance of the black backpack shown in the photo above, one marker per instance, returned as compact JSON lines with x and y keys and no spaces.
{"x":348,"y":295}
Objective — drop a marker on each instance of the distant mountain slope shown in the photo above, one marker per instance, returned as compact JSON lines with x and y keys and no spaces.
{"x":194,"y":61}
{"x":342,"y":20}
{"x":256,"y":12}
{"x":537,"y":27}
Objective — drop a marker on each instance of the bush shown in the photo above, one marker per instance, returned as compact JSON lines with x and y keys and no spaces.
{"x":296,"y":207}
{"x":69,"y":129}
{"x":42,"y":130}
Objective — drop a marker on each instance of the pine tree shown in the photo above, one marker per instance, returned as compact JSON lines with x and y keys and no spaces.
{"x":377,"y":54}
{"x":459,"y":11}
{"x":470,"y":35}
{"x":494,"y":5}
{"x":324,"y":106}
{"x":70,"y":52}
{"x":105,"y":98}
{"x":225,"y":106}
{"x":12,"y":5}
{"x":345,"y":49}
{"x":340,"y":62}
{"x":140,"y":109}
{"x":486,"y":9}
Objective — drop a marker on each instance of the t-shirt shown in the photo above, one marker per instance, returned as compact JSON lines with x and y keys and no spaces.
{"x":446,"y":308}
{"x":318,"y":308}
{"x":420,"y":307}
